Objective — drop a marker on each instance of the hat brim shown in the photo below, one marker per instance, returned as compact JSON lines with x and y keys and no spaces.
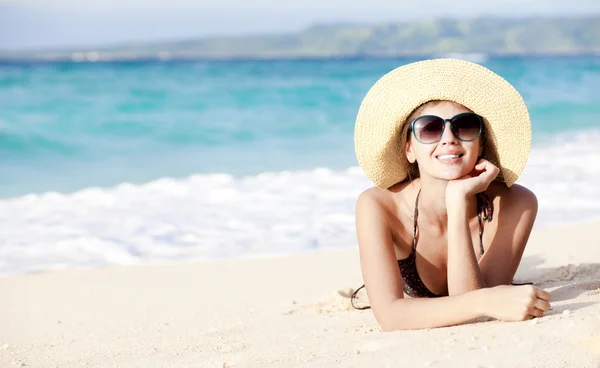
{"x":395,"y":96}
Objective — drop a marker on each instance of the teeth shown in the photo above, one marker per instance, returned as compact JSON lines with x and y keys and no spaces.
{"x":447,"y":157}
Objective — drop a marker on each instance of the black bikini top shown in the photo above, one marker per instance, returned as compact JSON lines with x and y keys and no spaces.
{"x":412,"y":283}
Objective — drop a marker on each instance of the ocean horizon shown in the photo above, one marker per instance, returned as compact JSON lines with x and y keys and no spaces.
{"x":131,"y":162}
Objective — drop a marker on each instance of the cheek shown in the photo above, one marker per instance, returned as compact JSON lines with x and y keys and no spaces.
{"x":472,"y":156}
{"x":422,"y":152}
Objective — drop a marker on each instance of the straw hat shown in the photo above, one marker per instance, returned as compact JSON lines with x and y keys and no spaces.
{"x":397,"y":94}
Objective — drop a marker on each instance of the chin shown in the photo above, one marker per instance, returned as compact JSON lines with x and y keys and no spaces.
{"x":452,"y":174}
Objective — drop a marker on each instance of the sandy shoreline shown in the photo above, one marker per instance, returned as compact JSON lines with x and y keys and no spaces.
{"x":287,"y":311}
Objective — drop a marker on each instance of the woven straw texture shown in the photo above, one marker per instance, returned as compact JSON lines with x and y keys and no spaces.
{"x":392,"y":99}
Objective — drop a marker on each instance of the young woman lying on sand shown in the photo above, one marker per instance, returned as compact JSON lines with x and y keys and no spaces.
{"x":443,"y":232}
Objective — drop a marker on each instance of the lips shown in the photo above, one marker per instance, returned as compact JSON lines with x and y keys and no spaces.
{"x":449,"y":156}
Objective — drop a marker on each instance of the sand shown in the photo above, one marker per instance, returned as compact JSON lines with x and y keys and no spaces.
{"x":290,"y":311}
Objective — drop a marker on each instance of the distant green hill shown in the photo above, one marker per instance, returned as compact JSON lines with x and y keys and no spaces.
{"x":496,"y":36}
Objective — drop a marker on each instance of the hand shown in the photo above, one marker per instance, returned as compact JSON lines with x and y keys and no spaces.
{"x":474,"y":182}
{"x":516,"y":303}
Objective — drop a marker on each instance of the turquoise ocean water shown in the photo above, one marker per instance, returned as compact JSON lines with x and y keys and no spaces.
{"x":67,"y":126}
{"x":185,"y":156}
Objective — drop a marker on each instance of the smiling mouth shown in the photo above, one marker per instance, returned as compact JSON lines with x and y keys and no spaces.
{"x":449,"y":158}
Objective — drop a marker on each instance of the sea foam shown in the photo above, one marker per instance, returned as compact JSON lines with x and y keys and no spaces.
{"x":219,"y":215}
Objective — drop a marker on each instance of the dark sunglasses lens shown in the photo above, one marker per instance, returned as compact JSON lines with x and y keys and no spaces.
{"x":466,"y":127}
{"x":428,"y":128}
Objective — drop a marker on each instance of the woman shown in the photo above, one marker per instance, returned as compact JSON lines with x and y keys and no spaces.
{"x":443,"y":232}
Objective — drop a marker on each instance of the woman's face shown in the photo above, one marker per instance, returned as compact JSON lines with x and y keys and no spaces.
{"x":449,"y":158}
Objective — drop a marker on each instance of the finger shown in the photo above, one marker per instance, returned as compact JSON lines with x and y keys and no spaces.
{"x":542,"y":294}
{"x":482,"y":164}
{"x":542,"y":305}
{"x":487,"y":176}
{"x":534,"y":312}
{"x":488,"y":167}
{"x":492,"y":172}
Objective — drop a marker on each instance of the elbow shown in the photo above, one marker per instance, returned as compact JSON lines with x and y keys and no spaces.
{"x":390,"y":318}
{"x":386,"y":325}
{"x":390,"y":324}
{"x":386,"y":328}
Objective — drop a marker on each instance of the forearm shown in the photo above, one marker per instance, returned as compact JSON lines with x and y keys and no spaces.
{"x":419,"y":313}
{"x":462,"y":270}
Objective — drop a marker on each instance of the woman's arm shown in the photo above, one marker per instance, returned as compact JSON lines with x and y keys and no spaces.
{"x":462,"y":270}
{"x":377,"y":258}
{"x":384,"y":284}
{"x":418,"y":313}
{"x":515,"y":216}
{"x":517,"y":210}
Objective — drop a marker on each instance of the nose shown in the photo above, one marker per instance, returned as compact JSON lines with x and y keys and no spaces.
{"x":448,"y":136}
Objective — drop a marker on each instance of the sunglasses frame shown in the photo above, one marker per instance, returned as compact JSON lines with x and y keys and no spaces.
{"x":412,"y":126}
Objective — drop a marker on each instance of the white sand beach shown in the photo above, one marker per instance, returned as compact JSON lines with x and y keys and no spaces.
{"x":288,"y":312}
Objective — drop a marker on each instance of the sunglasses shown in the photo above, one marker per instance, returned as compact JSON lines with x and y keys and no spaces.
{"x":466,"y":127}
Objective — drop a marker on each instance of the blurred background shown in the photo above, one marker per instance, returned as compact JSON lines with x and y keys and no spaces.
{"x":134,"y":131}
{"x":37,"y":24}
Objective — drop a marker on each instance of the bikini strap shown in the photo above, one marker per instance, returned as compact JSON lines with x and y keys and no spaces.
{"x":485,"y":212}
{"x":481,"y":249}
{"x":354,"y":294}
{"x":415,"y":221}
{"x":354,"y":297}
{"x":486,"y":207}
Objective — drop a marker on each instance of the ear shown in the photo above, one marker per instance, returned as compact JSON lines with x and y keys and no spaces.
{"x":410,"y":156}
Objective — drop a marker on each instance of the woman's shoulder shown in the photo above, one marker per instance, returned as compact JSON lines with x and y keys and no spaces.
{"x":386,"y":202}
{"x":382,"y":214}
{"x":517,"y":197}
{"x":373,"y":199}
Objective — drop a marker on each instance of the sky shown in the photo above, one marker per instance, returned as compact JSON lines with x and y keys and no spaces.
{"x":49,"y":24}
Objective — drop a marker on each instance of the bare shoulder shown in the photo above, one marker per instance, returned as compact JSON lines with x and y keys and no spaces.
{"x":384,"y":201}
{"x":516,"y":199}
{"x":372,"y":204}
{"x":373,"y":196}
{"x":385,"y":214}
